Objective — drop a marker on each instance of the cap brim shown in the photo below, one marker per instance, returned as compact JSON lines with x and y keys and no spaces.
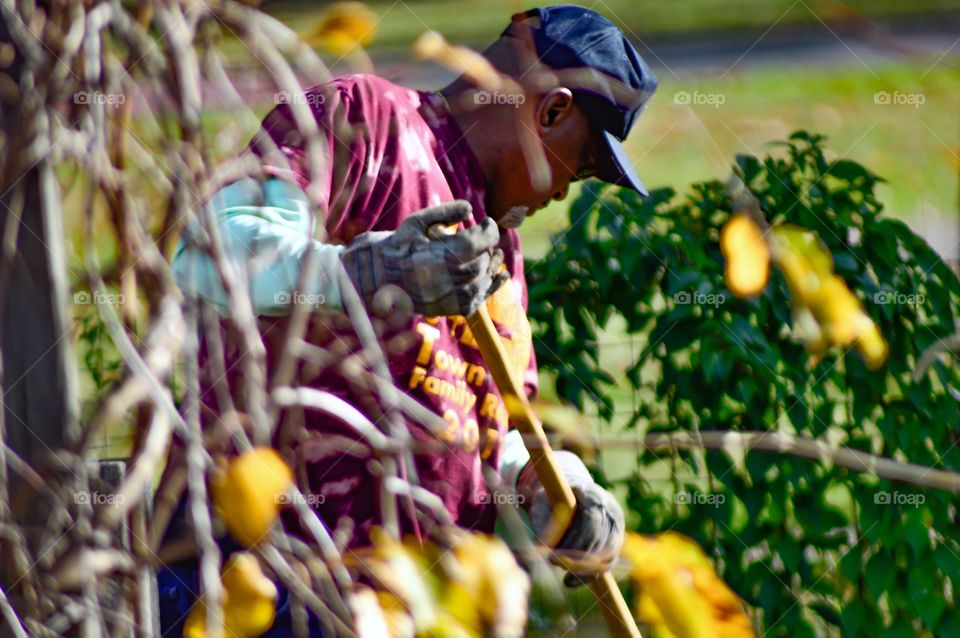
{"x":618,"y":169}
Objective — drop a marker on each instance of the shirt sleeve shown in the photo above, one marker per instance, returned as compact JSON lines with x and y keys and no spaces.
{"x":266,"y":231}
{"x":513,"y":458}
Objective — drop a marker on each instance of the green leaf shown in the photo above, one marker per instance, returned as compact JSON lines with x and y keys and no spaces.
{"x":851,"y":564}
{"x":853,"y":617}
{"x":716,"y":363}
{"x":916,"y":531}
{"x":950,"y":627}
{"x":881,"y":573}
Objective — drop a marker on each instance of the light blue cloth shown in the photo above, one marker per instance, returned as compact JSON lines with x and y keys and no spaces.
{"x":266,"y":231}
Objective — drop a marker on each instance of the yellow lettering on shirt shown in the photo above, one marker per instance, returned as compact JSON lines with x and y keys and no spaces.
{"x":430,"y":336}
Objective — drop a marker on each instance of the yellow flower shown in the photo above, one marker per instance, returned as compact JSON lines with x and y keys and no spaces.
{"x":747,"y":256}
{"x":248,"y":493}
{"x":344,"y":26}
{"x":678,"y":593}
{"x":249,"y":601}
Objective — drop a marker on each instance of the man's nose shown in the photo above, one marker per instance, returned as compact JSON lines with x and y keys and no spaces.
{"x":560,"y":194}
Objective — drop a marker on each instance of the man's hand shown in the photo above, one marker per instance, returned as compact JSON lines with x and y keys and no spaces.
{"x":595,"y":535}
{"x":443,"y":274}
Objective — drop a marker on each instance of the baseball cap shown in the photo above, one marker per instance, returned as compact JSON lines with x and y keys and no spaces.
{"x":609,"y":79}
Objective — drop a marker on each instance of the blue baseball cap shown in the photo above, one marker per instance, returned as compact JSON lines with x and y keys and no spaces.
{"x":610,"y":81}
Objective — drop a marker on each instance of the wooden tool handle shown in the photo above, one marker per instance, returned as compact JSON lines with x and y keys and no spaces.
{"x":523,"y":417}
{"x":615,"y":611}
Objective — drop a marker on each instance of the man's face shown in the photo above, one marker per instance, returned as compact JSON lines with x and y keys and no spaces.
{"x":562,"y":131}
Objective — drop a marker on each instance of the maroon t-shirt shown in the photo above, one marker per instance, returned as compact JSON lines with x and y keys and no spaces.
{"x":388,"y":152}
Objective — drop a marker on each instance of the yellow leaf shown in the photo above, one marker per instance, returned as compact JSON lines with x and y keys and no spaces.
{"x":802,"y":258}
{"x":343,"y":27}
{"x":837,"y":310}
{"x":826,"y":312}
{"x":678,"y":593}
{"x":249,"y":601}
{"x":488,"y":593}
{"x":249,"y":492}
{"x":369,"y":616}
{"x":474,"y":588}
{"x":873,"y":347}
{"x":398,"y":619}
{"x":401,"y":572}
{"x":747,"y":256}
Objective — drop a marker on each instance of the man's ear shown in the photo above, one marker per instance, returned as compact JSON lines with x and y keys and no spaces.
{"x":554,"y":107}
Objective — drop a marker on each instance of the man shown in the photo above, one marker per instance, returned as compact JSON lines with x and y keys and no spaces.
{"x":396,"y":165}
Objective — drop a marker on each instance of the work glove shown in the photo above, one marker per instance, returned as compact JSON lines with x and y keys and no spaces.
{"x":444,"y":274}
{"x":595,"y":535}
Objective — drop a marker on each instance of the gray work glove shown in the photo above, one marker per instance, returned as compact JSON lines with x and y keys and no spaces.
{"x":443,"y":274}
{"x":596,"y":533}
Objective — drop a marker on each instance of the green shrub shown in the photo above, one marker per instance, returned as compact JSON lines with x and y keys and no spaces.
{"x":815,"y":549}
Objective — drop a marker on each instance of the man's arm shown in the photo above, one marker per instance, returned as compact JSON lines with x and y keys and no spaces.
{"x":266,"y":231}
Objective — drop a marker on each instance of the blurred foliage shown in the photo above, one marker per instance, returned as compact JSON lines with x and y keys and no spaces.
{"x":99,"y":359}
{"x":814,"y":549}
{"x":471,"y":586}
